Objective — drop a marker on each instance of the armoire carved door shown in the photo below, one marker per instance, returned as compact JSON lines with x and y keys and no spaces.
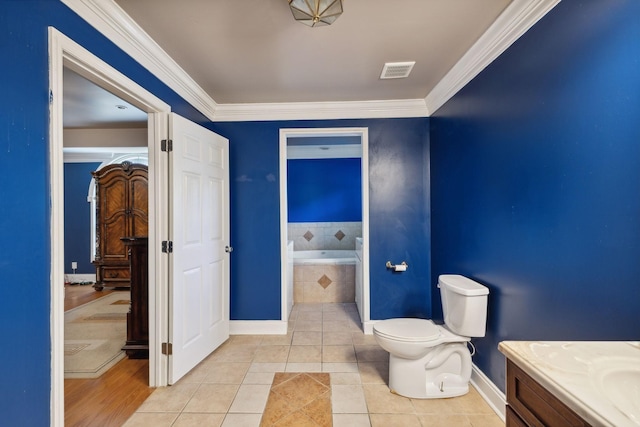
{"x":122,"y":207}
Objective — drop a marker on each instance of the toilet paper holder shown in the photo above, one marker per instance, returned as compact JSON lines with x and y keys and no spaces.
{"x":397,"y":267}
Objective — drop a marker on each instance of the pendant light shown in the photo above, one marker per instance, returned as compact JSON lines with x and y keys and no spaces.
{"x":316,"y":13}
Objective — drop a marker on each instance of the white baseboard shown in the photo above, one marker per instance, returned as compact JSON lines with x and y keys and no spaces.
{"x":489,"y":392}
{"x":257,"y":327}
{"x":367,"y":327}
{"x":80,"y":278}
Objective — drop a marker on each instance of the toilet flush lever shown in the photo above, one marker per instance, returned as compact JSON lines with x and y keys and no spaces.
{"x":228,"y":249}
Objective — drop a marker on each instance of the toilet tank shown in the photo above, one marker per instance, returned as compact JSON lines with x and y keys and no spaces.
{"x":464,"y":305}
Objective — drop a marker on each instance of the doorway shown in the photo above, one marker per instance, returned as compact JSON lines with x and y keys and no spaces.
{"x":360,"y":135}
{"x":65,"y":53}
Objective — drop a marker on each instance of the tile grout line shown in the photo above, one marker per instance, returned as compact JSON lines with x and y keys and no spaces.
{"x":337,"y":314}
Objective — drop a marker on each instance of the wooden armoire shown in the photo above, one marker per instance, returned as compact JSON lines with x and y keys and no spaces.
{"x":137,"y":345}
{"x":122,"y":210}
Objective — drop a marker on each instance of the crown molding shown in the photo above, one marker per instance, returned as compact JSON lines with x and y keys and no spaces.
{"x":100,"y":154}
{"x":321,"y":110}
{"x":512,"y":23}
{"x":110,"y":20}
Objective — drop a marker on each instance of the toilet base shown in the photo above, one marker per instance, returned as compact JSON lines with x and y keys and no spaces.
{"x":443,"y":372}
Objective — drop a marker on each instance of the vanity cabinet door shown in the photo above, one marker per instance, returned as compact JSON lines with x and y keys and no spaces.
{"x":534,"y":405}
{"x":513,"y":420}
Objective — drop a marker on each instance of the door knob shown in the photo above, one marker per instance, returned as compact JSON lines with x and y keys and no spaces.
{"x":228,"y":249}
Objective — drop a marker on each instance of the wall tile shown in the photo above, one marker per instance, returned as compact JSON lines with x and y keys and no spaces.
{"x":324,"y":235}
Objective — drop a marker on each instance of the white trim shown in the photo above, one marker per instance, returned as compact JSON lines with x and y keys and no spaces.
{"x":158,"y":129}
{"x":109,"y":19}
{"x":56,"y":190}
{"x":489,"y":392}
{"x":514,"y":21}
{"x":257,"y":327}
{"x":321,"y":110}
{"x":98,"y":154}
{"x":366,"y":282}
{"x":285,"y":304}
{"x":64,"y":52}
{"x":367,"y":327}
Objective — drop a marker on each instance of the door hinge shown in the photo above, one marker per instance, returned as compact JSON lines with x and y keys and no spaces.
{"x":167,"y":246}
{"x":167,"y":348}
{"x":166,"y":145}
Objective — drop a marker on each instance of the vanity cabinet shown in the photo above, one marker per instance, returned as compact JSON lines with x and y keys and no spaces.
{"x":122,"y":206}
{"x":531,"y":405}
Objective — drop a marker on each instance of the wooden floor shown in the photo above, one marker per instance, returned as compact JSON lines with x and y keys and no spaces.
{"x":111,"y":399}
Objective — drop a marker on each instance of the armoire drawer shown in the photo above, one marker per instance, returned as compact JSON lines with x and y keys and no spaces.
{"x":115,"y":274}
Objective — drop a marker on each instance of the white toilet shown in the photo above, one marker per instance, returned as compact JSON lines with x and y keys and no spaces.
{"x":429,"y":361}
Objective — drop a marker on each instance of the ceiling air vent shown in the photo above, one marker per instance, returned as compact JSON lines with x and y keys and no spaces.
{"x":396,"y":70}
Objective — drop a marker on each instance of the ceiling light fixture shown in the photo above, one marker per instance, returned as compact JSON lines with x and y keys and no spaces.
{"x":316,"y":13}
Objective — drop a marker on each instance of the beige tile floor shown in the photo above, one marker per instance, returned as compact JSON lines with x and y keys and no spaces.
{"x":230,"y":388}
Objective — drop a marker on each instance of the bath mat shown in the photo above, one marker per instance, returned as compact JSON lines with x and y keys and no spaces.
{"x":299,"y":399}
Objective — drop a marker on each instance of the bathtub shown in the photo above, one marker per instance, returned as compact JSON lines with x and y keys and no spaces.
{"x":324,"y":257}
{"x":324,"y":276}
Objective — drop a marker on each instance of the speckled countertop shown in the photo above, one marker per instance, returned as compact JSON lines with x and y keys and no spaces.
{"x":598,"y":380}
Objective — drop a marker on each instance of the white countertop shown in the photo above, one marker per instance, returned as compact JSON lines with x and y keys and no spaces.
{"x":571,"y":370}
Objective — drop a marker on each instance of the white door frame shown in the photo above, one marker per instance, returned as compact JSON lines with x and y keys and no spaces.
{"x":363,"y":133}
{"x":64,"y":52}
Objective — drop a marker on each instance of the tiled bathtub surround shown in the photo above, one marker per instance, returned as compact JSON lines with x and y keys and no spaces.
{"x":309,"y":236}
{"x":324,"y":283}
{"x":230,"y":388}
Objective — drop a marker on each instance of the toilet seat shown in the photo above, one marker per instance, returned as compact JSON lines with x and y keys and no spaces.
{"x":408,"y":330}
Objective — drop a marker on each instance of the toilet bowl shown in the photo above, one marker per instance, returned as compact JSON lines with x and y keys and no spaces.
{"x":426,"y":360}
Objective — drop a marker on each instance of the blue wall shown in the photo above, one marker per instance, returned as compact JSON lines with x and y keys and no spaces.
{"x":399,"y":151}
{"x":399,"y":215}
{"x":536,"y":182}
{"x":77,"y":217}
{"x":24,"y":211}
{"x":324,"y":190}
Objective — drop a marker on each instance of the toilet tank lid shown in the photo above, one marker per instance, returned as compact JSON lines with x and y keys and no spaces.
{"x":462,"y":285}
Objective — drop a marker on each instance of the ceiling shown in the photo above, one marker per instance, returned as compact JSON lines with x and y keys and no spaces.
{"x":86,"y":105}
{"x":224,"y":56}
{"x":255,"y":52}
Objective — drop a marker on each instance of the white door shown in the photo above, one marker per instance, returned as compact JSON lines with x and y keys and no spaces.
{"x":199,"y":226}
